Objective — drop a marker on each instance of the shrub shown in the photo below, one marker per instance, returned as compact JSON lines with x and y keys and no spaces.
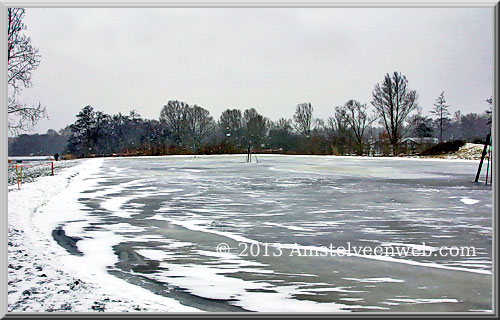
{"x":68,"y":157}
{"x":443,"y":147}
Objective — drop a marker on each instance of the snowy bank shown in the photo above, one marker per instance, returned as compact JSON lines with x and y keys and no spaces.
{"x":43,"y":277}
{"x":33,"y":169}
{"x":469,"y":151}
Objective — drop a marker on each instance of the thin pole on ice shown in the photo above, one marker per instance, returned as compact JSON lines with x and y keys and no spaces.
{"x":482,"y":157}
{"x":249,"y":155}
{"x":490,"y":157}
{"x":487,"y":168}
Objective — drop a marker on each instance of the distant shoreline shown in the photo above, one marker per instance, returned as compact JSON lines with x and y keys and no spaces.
{"x":448,"y":156}
{"x":444,"y":157}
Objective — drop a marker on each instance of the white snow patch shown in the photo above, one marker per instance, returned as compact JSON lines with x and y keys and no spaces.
{"x":469,"y":201}
{"x":420,"y":301}
{"x":374,"y":280}
{"x":152,"y":254}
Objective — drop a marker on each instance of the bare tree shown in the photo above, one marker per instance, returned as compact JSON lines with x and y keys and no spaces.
{"x":173,"y":116}
{"x":330,"y":127}
{"x":256,"y":126}
{"x":394,"y":102}
{"x":337,"y":130}
{"x":489,"y":112}
{"x":231,"y":125}
{"x":441,"y":112}
{"x":281,"y":134}
{"x":23,"y":58}
{"x":318,"y":126}
{"x":199,"y":124}
{"x":303,"y":118}
{"x":358,"y":119}
{"x":283,"y":125}
{"x":23,"y":117}
{"x":340,"y":120}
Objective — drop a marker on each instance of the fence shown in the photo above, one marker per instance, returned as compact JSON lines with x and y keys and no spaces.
{"x":30,"y":171}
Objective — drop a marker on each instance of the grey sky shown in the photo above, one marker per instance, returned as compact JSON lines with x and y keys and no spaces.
{"x":270,"y":59}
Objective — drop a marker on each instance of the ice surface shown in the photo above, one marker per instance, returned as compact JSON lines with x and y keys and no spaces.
{"x":158,"y":220}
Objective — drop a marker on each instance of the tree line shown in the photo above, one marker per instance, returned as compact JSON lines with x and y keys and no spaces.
{"x":49,"y":143}
{"x":354,"y":128}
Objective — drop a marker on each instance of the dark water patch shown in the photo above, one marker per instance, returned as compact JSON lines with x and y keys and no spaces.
{"x":67,"y":242}
{"x":141,"y":267}
{"x":92,"y":228}
{"x":261,"y":290}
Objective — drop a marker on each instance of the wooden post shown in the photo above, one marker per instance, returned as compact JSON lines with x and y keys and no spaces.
{"x":21,"y":174}
{"x":491,"y":166}
{"x":482,"y":157}
{"x":487,"y":168}
{"x":249,"y":157}
{"x":17,"y":176}
{"x":52,"y":165}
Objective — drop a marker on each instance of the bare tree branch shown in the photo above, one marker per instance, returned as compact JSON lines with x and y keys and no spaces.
{"x":23,"y":117}
{"x":23,"y":59}
{"x":303,"y":118}
{"x":394,"y":103}
{"x":358,"y":119}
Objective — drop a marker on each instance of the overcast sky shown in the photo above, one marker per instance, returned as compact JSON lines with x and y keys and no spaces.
{"x":271,"y":59}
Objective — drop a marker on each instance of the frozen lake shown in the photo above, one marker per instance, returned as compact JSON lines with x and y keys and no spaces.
{"x":156,"y":222}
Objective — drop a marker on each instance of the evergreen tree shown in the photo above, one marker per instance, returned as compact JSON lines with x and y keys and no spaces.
{"x":441,"y":112}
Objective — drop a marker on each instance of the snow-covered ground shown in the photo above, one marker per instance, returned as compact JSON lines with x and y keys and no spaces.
{"x":42,"y":276}
{"x":469,"y":151}
{"x":34,"y":168}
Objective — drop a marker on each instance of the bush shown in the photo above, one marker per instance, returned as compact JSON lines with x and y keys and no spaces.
{"x":68,"y":157}
{"x":443,"y":147}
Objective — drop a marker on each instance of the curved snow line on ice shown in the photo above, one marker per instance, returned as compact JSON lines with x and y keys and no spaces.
{"x":193,"y":225}
{"x":97,"y":245}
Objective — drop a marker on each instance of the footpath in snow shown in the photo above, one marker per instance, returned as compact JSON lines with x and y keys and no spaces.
{"x":39,"y":280}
